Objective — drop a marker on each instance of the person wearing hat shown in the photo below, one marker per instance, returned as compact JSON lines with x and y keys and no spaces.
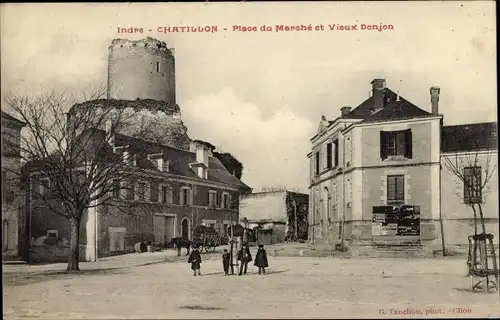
{"x":195,"y":260}
{"x":245,"y":257}
{"x":261,"y":259}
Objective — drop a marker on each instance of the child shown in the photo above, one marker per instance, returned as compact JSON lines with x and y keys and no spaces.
{"x":225,"y":262}
{"x":195,"y":260}
{"x":261,"y":259}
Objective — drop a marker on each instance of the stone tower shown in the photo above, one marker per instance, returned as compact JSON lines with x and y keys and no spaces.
{"x":143,"y":69}
{"x":141,"y":83}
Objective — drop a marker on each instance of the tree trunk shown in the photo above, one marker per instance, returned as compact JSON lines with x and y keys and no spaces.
{"x":74,"y":246}
{"x":481,"y":217}
{"x":475,"y":220}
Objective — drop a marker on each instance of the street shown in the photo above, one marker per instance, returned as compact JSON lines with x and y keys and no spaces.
{"x":294,"y":287}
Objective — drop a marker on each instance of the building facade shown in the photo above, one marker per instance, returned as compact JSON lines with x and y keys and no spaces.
{"x":172,"y":192}
{"x":377,"y":176}
{"x":12,"y":214}
{"x":273,"y":214}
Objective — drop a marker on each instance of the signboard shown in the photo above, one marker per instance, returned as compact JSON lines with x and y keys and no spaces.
{"x":400,"y":220}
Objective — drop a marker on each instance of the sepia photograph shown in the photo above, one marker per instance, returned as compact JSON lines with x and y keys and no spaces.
{"x":253,"y":160}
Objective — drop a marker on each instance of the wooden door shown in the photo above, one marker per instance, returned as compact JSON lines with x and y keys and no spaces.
{"x":160,"y":229}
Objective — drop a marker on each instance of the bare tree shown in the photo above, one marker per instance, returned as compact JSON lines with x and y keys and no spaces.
{"x":278,"y":188}
{"x":474,"y":170}
{"x":73,"y":164}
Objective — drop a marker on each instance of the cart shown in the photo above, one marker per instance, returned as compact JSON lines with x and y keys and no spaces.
{"x":206,"y":238}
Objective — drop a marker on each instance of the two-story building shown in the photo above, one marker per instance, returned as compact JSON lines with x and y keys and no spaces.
{"x":172,"y":192}
{"x":12,"y":218}
{"x":376,"y":174}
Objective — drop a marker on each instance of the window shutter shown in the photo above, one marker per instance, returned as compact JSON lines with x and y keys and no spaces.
{"x":336,"y":153}
{"x":408,"y":144}
{"x":383,"y":145}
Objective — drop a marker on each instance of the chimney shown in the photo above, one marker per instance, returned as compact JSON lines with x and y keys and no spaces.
{"x":378,"y":86}
{"x":435,"y":91}
{"x":345,"y":110}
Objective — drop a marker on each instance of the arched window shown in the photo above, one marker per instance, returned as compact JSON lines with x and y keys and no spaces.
{"x":185,"y":228}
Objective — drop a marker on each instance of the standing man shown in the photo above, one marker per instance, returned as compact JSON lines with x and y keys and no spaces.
{"x":244,"y":257}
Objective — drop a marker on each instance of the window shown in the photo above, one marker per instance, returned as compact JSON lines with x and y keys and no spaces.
{"x":396,"y":143}
{"x":212,"y":195}
{"x":157,"y":66}
{"x":336,"y":153}
{"x":225,"y":201}
{"x":185,"y":196}
{"x":316,"y":163}
{"x":44,"y":187}
{"x":7,"y":193}
{"x":329,"y":156}
{"x":472,"y":185}
{"x":396,"y":189}
{"x":166,"y":194}
{"x":141,"y":191}
{"x":115,"y":188}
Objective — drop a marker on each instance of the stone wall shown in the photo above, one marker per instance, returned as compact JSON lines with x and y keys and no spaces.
{"x":150,"y":120}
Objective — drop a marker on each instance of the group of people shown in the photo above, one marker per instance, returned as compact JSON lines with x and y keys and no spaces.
{"x":244,"y":256}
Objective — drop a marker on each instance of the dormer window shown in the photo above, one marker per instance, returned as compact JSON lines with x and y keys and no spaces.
{"x":159,"y":161}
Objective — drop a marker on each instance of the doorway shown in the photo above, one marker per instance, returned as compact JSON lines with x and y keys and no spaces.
{"x":185,"y":228}
{"x":164,"y":228}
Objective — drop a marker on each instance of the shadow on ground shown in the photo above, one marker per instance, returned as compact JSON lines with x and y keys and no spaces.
{"x":201,"y":308}
{"x":23,"y":278}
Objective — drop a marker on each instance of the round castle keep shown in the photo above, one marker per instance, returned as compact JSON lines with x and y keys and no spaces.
{"x":143,"y":69}
{"x":141,"y":84}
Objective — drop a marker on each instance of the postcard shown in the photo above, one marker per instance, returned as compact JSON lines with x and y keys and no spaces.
{"x":249,"y":160}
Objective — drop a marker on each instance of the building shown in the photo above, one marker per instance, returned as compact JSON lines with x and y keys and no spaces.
{"x":176,"y":184}
{"x":378,"y":176}
{"x":172,"y":192}
{"x":12,"y":218}
{"x":272,"y":214}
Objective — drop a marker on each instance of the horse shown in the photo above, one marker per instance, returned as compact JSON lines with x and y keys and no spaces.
{"x":180,"y":243}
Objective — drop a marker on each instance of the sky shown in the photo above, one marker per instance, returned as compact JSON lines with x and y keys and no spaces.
{"x":260,"y":95}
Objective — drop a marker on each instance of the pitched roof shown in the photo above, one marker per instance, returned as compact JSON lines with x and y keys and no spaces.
{"x":7,"y":116}
{"x":394,"y":109}
{"x":469,"y":137}
{"x":179,"y":161}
